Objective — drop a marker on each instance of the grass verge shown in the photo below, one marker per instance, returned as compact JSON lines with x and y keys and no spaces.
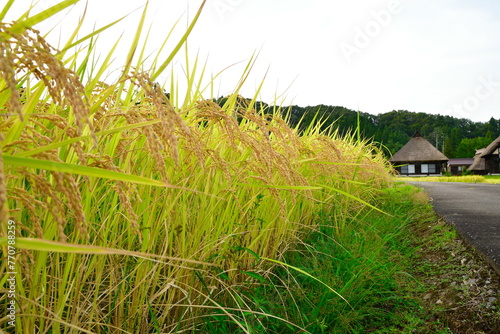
{"x":406,"y":272}
{"x":493,"y":179}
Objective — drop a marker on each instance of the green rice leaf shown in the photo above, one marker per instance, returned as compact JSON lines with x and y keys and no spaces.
{"x":60,"y":247}
{"x":6,"y":9}
{"x":79,"y":170}
{"x":303,"y":272}
{"x":81,"y":138}
{"x":251,"y":252}
{"x":280,"y":187}
{"x":42,"y":16}
{"x":355,"y":198}
{"x":256,"y":276}
{"x":93,"y":34}
{"x":224,"y":276}
{"x":135,"y":42}
{"x":179,"y":45}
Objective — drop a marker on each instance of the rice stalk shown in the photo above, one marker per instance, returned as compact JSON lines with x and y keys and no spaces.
{"x":97,"y":173}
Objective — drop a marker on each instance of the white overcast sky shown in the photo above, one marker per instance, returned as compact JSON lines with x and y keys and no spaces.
{"x":432,"y":56}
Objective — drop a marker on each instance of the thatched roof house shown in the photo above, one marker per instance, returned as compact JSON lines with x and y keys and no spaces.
{"x":492,"y":148}
{"x":487,"y":160}
{"x":418,"y":157}
{"x":479,"y":165}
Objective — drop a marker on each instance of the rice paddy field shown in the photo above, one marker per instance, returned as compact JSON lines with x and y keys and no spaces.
{"x":493,"y":179}
{"x":125,"y":209}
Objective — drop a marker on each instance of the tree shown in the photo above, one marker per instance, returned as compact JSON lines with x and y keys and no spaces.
{"x":449,"y":148}
{"x":489,"y":136}
{"x":455,"y":137}
{"x":494,"y":126}
{"x":468,"y":146}
{"x":451,"y":143}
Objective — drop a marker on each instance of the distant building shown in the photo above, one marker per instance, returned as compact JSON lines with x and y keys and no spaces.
{"x":478,"y":167}
{"x":419,"y":157}
{"x":459,"y":165}
{"x":487,"y":160}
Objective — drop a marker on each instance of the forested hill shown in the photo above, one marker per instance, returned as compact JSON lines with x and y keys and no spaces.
{"x":455,"y":137}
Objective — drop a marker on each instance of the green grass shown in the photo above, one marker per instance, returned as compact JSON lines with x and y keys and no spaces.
{"x":361,"y":275}
{"x":387,"y":271}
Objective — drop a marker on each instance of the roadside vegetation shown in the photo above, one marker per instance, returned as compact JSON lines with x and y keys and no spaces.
{"x":139,"y":210}
{"x":458,"y":289}
{"x":405,"y":271}
{"x":147,"y":211}
{"x":360,"y":276}
{"x":493,"y":179}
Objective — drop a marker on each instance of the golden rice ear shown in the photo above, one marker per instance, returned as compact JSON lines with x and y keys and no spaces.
{"x":27,"y":53}
{"x":164,"y":111}
{"x":7,"y":71}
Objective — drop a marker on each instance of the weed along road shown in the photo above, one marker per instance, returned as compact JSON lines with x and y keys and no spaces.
{"x":474,"y":210}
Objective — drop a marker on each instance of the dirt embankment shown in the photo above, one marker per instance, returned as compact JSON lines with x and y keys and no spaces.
{"x":460,"y":289}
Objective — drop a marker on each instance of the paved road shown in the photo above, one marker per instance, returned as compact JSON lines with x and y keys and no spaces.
{"x":474,"y":210}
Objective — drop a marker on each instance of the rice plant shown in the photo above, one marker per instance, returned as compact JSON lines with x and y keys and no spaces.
{"x":462,"y":179}
{"x":138,"y":211}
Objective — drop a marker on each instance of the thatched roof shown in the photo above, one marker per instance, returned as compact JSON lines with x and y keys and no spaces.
{"x":479,"y":163}
{"x":418,"y":149}
{"x":491,"y":148}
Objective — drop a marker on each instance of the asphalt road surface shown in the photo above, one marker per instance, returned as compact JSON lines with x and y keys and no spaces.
{"x":474,"y":210}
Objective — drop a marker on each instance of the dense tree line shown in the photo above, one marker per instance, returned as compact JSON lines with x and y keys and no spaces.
{"x":455,"y":137}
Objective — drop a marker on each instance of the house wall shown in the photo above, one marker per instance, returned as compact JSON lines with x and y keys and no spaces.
{"x":492,"y":164}
{"x":458,"y":169}
{"x":421,"y":168}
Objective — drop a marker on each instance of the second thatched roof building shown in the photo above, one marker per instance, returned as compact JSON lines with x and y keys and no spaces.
{"x":419,"y":157}
{"x":487,"y":160}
